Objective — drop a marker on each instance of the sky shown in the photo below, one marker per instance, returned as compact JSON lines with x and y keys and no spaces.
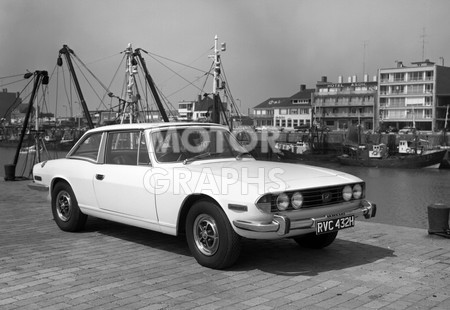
{"x":273,"y":46}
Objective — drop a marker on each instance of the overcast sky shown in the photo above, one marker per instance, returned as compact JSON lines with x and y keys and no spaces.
{"x":273,"y":46}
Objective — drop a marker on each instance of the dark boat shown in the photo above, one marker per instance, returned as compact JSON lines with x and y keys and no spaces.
{"x":379,"y":157}
{"x":301,"y":151}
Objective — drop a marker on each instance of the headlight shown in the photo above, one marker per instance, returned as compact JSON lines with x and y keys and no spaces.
{"x":347,"y":193}
{"x":297,"y":200}
{"x":357,"y":191}
{"x":282,"y":201}
{"x":263,"y":203}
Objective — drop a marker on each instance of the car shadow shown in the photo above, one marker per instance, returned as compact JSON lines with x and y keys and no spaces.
{"x":285,"y":257}
{"x":280,"y":257}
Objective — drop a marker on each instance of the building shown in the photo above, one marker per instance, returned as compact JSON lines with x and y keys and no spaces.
{"x":8,"y":103}
{"x":263,"y":113}
{"x":285,"y":112}
{"x":416,"y":96}
{"x":340,"y":105}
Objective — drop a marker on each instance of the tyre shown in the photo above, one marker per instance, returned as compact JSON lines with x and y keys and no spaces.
{"x":66,"y":212}
{"x":313,"y":241}
{"x":211,"y":239}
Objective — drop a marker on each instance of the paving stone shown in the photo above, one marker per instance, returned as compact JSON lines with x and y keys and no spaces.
{"x":114,"y":266}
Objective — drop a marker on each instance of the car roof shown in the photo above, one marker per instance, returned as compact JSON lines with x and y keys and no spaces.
{"x":151,"y":126}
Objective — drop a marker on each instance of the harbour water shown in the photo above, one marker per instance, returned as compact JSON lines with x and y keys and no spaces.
{"x":402,"y":195}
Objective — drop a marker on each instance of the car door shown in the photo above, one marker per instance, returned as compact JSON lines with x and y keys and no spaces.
{"x":119,"y":182}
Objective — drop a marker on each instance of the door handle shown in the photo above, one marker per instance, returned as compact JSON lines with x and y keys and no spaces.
{"x":99,"y":176}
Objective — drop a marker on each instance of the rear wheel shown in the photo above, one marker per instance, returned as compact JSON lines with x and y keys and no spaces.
{"x":66,"y":212}
{"x":211,"y":239}
{"x":314,"y":241}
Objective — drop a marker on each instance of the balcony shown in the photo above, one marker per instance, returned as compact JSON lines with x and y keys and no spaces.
{"x":346,"y":115}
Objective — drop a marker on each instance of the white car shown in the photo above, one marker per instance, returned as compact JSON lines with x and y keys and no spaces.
{"x":197,"y":180}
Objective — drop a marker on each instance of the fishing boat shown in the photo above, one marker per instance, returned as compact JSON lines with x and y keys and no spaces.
{"x":379,"y":156}
{"x":312,"y":147}
{"x":302,"y":151}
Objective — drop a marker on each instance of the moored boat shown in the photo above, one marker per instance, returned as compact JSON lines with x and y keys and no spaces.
{"x":380,"y":157}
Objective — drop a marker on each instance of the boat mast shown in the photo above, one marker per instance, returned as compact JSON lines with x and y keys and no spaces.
{"x":130,"y":105}
{"x":217,"y":106}
{"x":216,"y":109}
{"x":67,"y":51}
{"x":162,"y":111}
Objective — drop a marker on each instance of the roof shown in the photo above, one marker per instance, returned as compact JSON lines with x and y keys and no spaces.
{"x":138,"y":126}
{"x":304,"y":94}
{"x":270,"y":103}
{"x":285,"y":101}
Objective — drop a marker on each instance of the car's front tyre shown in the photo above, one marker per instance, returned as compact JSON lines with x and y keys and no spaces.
{"x":313,"y":241}
{"x":66,"y":212}
{"x":211,"y":239}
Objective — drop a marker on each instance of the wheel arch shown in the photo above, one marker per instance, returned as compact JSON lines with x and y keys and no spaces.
{"x":57,"y":180}
{"x":186,"y":206}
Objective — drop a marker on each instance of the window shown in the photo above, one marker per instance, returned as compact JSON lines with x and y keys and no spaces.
{"x":89,"y":147}
{"x":399,"y":77}
{"x":415,"y":76}
{"x":201,"y":143}
{"x":289,"y":122}
{"x":126,"y":148}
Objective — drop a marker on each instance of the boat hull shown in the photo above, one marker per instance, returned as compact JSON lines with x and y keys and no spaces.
{"x":307,"y":156}
{"x":428,"y":159}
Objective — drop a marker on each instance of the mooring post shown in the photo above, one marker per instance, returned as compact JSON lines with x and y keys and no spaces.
{"x":438,"y":219}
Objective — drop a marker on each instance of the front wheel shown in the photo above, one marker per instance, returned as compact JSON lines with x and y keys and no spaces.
{"x":211,"y":239}
{"x":66,"y":212}
{"x":314,"y":241}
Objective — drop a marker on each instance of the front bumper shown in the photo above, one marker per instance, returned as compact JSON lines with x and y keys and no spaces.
{"x":283,"y":225}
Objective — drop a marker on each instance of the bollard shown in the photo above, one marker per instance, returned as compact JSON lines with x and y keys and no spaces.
{"x":438,"y":217}
{"x":10,"y":172}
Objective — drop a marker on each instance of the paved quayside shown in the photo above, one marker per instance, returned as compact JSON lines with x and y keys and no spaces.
{"x":112,"y":266}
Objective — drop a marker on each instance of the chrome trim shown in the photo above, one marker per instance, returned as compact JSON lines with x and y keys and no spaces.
{"x":38,"y":187}
{"x":282,"y":224}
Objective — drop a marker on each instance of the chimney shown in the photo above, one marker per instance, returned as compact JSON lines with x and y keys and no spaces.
{"x":302,"y":87}
{"x":354,"y":79}
{"x":340,"y":79}
{"x":366,"y":78}
{"x":324,"y":79}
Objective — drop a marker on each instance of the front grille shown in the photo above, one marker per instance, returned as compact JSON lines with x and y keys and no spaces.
{"x":315,"y":197}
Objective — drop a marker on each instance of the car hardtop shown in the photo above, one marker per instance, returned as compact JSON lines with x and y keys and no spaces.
{"x":159,"y":125}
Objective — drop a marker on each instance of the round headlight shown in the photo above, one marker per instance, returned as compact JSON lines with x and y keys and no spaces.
{"x":297,"y":200}
{"x":347,"y":193}
{"x":357,"y":191}
{"x":282,"y":201}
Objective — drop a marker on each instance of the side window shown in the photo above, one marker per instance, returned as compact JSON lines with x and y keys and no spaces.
{"x":89,"y":147}
{"x":126,"y":148}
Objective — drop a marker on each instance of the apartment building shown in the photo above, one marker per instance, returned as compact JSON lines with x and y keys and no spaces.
{"x":415,"y":96}
{"x":339,"y":105}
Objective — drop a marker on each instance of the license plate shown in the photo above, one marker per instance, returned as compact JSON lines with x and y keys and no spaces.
{"x":326,"y":226}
